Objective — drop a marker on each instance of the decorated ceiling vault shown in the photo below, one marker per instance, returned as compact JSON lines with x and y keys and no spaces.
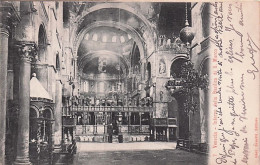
{"x":105,"y":72}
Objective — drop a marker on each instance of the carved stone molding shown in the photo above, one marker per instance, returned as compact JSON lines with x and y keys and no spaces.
{"x":9,"y":16}
{"x":4,"y":22}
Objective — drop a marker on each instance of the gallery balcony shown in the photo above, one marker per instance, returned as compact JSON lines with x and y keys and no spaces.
{"x":174,"y":45}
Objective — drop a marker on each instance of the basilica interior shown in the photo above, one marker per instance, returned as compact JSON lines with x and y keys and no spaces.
{"x":101,"y":72}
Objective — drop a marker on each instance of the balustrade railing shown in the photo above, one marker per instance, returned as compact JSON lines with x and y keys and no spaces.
{"x":69,"y":110}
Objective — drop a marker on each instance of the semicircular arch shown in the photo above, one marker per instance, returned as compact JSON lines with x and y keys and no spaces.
{"x":121,"y":6}
{"x":83,"y":60}
{"x":50,"y":110}
{"x":35,"y":109}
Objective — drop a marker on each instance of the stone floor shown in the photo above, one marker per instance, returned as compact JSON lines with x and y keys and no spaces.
{"x":138,"y":153}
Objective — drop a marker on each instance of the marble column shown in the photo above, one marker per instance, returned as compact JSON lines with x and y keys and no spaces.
{"x":96,"y":122}
{"x":155,"y":136}
{"x":168,"y":134}
{"x":26,"y":52}
{"x":4,"y":34}
{"x":105,"y":126}
{"x":129,"y":122}
{"x":58,"y":114}
{"x":140,"y":122}
{"x":203,"y":116}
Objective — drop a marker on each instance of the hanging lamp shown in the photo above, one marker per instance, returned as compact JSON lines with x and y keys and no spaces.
{"x":187,"y":34}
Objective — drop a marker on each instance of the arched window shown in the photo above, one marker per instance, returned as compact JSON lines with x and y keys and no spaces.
{"x":95,"y":37}
{"x":129,"y":36}
{"x":176,"y":67}
{"x":33,"y":124}
{"x":86,"y":86}
{"x":149,"y":71}
{"x":135,"y":60}
{"x":42,"y":44}
{"x":114,"y":39}
{"x":122,"y":39}
{"x":86,"y":36}
{"x":57,"y":62}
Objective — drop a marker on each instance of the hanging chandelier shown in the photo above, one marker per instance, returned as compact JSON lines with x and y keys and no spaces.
{"x":187,"y":34}
{"x":189,"y":80}
{"x":118,"y":67}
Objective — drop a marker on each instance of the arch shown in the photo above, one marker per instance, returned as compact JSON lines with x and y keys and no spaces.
{"x":42,"y":43}
{"x":176,"y":66}
{"x":48,"y":112}
{"x":184,"y":56}
{"x":183,"y":120}
{"x":204,"y":65}
{"x":34,"y":115}
{"x":82,"y":60}
{"x":35,"y":109}
{"x":135,"y":60}
{"x":86,"y":37}
{"x":95,"y":37}
{"x":126,"y":28}
{"x":42,"y":37}
{"x":122,"y":6}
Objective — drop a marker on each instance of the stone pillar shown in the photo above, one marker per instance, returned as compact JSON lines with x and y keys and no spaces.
{"x":140,"y":122}
{"x":26,"y":51}
{"x":155,"y":139}
{"x":4,"y":34}
{"x":105,"y":126}
{"x":203,"y":116}
{"x":58,"y":114}
{"x":168,"y":134}
{"x":129,"y":122}
{"x":76,"y":77}
{"x":95,"y":124}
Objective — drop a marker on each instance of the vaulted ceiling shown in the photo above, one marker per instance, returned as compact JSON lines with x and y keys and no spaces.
{"x":110,"y":33}
{"x":109,"y":36}
{"x":105,"y":43}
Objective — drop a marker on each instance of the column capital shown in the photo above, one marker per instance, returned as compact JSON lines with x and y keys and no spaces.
{"x":27,"y":50}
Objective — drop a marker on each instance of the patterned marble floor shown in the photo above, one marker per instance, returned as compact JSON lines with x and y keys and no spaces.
{"x":138,"y":153}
